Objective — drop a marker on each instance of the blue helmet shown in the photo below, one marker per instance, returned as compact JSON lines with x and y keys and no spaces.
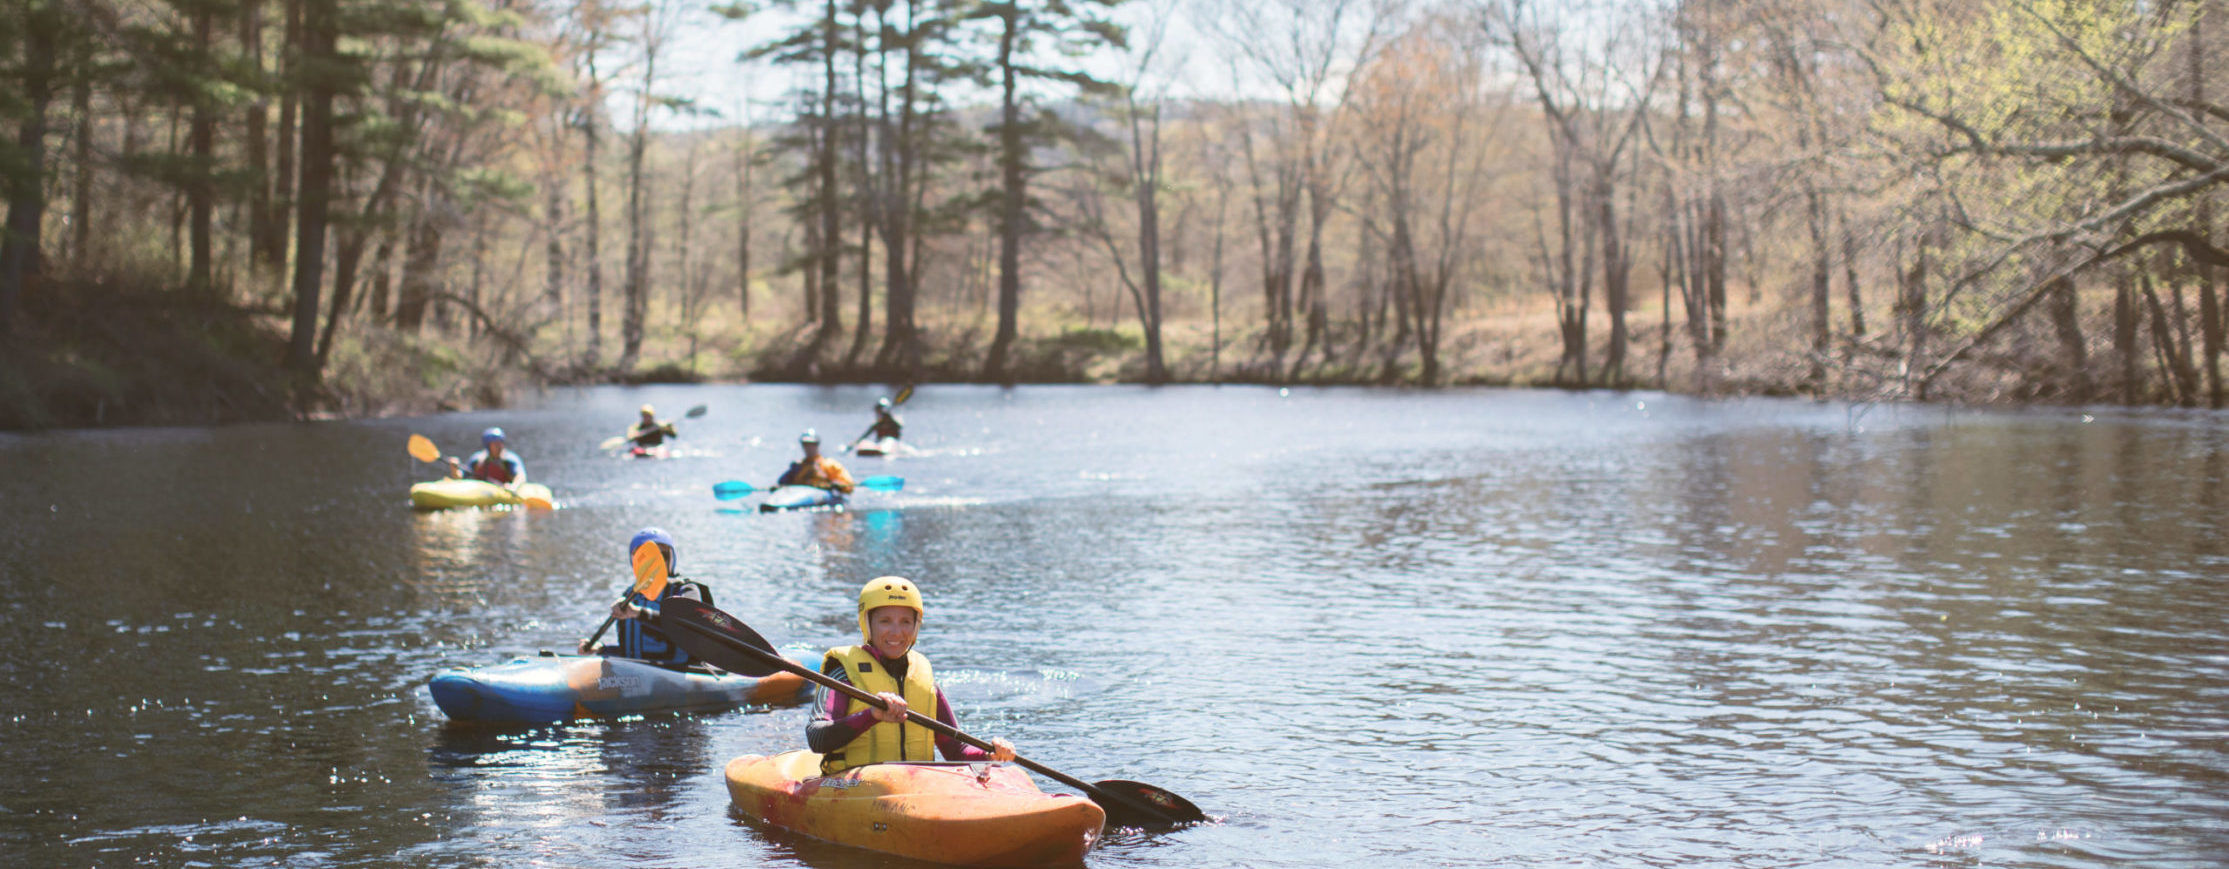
{"x":493,"y":434}
{"x":664,"y":541}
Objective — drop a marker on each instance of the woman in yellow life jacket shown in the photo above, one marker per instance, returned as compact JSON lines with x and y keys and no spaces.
{"x":849,"y":733}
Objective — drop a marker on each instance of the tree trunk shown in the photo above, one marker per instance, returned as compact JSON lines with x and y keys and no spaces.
{"x":1312,"y":280}
{"x":2066,"y":321}
{"x":1215,"y":291}
{"x":347,"y":255}
{"x":553,"y":216}
{"x":81,"y":189}
{"x":1822,"y":277}
{"x":420,"y":257}
{"x":318,"y":40}
{"x":1671,"y":268}
{"x":687,"y":277}
{"x":900,"y":355}
{"x":256,"y":136}
{"x":2209,"y":300}
{"x":870,"y":200}
{"x":592,"y":221}
{"x":1149,"y":261}
{"x":1850,"y":279}
{"x":743,"y":156}
{"x":201,"y":193}
{"x":2181,"y":379}
{"x":2125,"y":322}
{"x":829,"y":245}
{"x":19,"y":245}
{"x":636,"y":307}
{"x":284,"y":144}
{"x":1616,"y":279}
{"x":383,"y":276}
{"x":1911,"y":310}
{"x":1011,"y":193}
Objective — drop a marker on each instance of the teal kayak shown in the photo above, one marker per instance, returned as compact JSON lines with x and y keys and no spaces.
{"x":563,"y":687}
{"x":801,"y":498}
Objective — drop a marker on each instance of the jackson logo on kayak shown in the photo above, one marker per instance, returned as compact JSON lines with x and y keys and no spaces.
{"x":625,"y":684}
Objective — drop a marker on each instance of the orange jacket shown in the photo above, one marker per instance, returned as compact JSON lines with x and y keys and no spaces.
{"x":823,"y":472}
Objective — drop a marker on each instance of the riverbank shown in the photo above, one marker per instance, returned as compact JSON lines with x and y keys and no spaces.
{"x":93,"y":355}
{"x":104,"y":354}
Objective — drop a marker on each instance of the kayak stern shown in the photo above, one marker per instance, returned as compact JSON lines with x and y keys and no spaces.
{"x":975,"y":814}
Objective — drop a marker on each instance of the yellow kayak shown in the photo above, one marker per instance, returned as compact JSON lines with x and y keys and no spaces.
{"x":441,"y":494}
{"x":975,"y":814}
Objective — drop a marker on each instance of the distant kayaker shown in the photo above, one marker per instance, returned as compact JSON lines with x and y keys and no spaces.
{"x":493,"y":463}
{"x":651,"y":431}
{"x":816,"y":469}
{"x":887,"y":424}
{"x":849,"y":733}
{"x":639,"y":636}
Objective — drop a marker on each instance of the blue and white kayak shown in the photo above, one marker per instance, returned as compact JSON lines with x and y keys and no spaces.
{"x":563,"y":687}
{"x":801,"y":498}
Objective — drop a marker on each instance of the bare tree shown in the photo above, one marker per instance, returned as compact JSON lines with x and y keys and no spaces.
{"x":1306,"y":51}
{"x":1594,"y":101}
{"x":1427,"y":129}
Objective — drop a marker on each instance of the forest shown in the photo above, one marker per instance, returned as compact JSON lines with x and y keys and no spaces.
{"x":266,"y":209}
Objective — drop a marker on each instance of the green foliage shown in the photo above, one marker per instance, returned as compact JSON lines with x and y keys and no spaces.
{"x":1092,"y":341}
{"x":1074,"y":355}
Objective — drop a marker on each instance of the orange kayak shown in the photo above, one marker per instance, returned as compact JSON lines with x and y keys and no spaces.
{"x":975,"y":814}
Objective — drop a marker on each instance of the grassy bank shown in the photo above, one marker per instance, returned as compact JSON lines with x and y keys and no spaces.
{"x":109,"y":353}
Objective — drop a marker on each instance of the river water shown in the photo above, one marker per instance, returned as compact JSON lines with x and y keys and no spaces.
{"x":1361,"y":628}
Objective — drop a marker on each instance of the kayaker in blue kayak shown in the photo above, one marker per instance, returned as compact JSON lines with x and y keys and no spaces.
{"x":849,"y":733}
{"x":493,"y":463}
{"x":639,"y":636}
{"x":816,"y":469}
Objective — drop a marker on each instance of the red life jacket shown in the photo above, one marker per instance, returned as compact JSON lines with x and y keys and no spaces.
{"x":491,"y":469}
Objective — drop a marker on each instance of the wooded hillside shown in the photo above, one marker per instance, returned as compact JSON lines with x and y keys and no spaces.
{"x":244,"y":208}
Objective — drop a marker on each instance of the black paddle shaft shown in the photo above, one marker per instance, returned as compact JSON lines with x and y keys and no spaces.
{"x":719,"y":635}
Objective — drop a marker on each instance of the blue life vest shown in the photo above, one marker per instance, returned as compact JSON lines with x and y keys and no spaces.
{"x":646,"y":642}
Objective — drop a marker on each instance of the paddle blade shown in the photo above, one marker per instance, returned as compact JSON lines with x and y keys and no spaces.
{"x":883,"y":483}
{"x":695,"y":412}
{"x":650,"y":571}
{"x":613,"y":443}
{"x":719,"y":639}
{"x":1138,"y":804}
{"x":903,"y":394}
{"x":422,"y":449}
{"x":732,"y":490}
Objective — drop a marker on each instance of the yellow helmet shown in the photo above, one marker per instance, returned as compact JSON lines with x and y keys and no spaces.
{"x":885,"y":591}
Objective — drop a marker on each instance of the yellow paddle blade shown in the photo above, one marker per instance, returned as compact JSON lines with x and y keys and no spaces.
{"x":423,"y":449}
{"x":650,"y":571}
{"x":903,"y":394}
